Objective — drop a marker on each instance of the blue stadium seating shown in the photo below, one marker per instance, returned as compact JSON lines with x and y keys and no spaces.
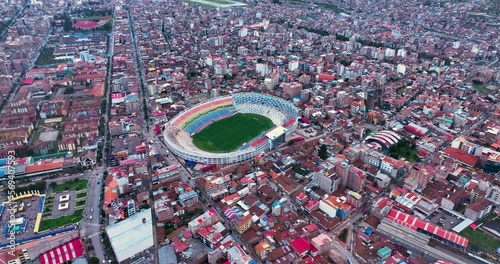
{"x":202,"y":121}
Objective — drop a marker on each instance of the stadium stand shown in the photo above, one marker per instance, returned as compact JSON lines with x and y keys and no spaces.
{"x":201,"y":122}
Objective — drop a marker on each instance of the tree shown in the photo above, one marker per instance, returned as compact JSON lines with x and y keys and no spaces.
{"x":290,"y":142}
{"x":345,"y":62}
{"x":323,"y":152}
{"x":94,"y":260}
{"x":69,"y":90}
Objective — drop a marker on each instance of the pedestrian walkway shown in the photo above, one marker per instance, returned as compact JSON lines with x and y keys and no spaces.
{"x":94,"y":235}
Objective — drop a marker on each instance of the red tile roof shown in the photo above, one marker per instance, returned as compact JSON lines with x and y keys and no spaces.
{"x":311,"y":228}
{"x":326,"y":77}
{"x":43,"y":166}
{"x":462,"y":156}
{"x":301,"y":196}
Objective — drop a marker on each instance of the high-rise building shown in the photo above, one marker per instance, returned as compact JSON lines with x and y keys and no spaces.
{"x":421,"y":175}
{"x":327,"y":180}
{"x":293,"y":65}
{"x":262,"y":68}
{"x":355,"y":179}
{"x":292,"y":89}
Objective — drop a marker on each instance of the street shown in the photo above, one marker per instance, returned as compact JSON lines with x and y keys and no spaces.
{"x":90,"y":227}
{"x":143,"y":98}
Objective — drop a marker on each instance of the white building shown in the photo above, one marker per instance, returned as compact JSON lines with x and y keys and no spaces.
{"x":390,"y":52}
{"x":401,"y":53}
{"x":272,"y":81}
{"x":329,"y":182}
{"x":401,"y":69}
{"x":243,"y":32}
{"x":262,"y":68}
{"x":293,"y":65}
{"x":328,"y":208}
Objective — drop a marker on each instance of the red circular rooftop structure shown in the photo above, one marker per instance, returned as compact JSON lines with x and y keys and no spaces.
{"x":86,"y":24}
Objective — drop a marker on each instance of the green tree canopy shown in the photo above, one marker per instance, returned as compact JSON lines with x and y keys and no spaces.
{"x":323,"y":152}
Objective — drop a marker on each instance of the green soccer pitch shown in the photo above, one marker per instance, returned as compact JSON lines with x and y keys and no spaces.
{"x":231,"y":133}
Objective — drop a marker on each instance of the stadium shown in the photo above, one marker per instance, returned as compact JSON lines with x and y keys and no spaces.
{"x":230,"y":129}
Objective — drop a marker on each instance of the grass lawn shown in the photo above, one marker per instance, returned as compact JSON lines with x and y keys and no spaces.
{"x":81,"y":195}
{"x":229,"y":134}
{"x":71,"y":185}
{"x":343,"y":235}
{"x":481,"y":88}
{"x":76,"y":217}
{"x":80,"y":203}
{"x":481,"y":241}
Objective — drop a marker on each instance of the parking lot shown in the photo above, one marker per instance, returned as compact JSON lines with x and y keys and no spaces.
{"x":444,"y":219}
{"x":29,"y":213}
{"x":307,"y":132}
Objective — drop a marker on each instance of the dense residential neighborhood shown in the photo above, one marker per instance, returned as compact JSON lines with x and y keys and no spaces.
{"x":245,"y":132}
